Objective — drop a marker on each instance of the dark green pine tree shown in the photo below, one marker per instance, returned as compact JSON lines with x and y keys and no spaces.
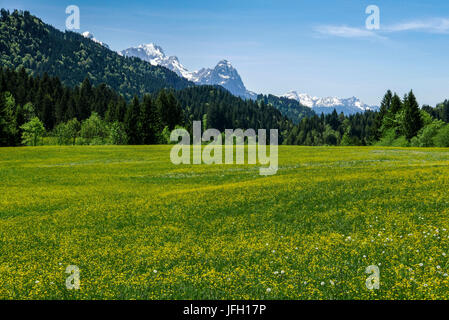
{"x":38,"y":101}
{"x":86,"y":93}
{"x":334,"y":121}
{"x":444,"y":111}
{"x":384,"y":108}
{"x":20,"y":94}
{"x":71,"y":109}
{"x":47,"y":115}
{"x":177,"y":117}
{"x":60,"y":107}
{"x":396,"y":104}
{"x":111,"y":113}
{"x":4,"y":135}
{"x":412,"y":118}
{"x":149,"y":121}
{"x":214,"y":118}
{"x":169,"y":110}
{"x":132,"y":122}
{"x":389,"y":120}
{"x":121,"y":110}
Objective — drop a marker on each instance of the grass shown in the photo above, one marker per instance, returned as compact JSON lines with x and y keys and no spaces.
{"x":139,"y":227}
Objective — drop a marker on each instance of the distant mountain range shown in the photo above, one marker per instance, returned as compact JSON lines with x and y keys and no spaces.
{"x":327,"y":105}
{"x":224,"y":74}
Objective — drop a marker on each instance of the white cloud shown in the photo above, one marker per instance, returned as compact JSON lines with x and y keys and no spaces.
{"x":347,"y":32}
{"x":437,"y":25}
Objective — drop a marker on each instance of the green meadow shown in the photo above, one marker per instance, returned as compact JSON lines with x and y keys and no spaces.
{"x":139,"y":227}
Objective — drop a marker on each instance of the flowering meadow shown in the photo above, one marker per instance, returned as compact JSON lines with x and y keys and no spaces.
{"x":139,"y":227}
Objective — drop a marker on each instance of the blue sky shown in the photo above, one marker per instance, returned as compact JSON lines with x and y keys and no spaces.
{"x":319,"y":47}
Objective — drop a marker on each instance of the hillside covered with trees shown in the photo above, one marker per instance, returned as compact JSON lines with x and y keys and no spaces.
{"x":27,"y":42}
{"x":292,"y":109}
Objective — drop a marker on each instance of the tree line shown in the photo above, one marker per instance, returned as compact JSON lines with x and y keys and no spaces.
{"x":399,"y":122}
{"x":88,"y":114}
{"x":333,"y":129}
{"x":221,"y":110}
{"x":32,"y":107}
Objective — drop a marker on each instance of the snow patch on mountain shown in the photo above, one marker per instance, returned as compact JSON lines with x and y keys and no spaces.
{"x":327,"y":105}
{"x":225,"y":75}
{"x":90,"y":36}
{"x":156,"y":56}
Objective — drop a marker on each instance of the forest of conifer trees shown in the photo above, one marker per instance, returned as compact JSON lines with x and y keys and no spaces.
{"x":40,"y":110}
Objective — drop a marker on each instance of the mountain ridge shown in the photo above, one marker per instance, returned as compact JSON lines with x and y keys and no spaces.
{"x":327,"y":105}
{"x":223,"y":74}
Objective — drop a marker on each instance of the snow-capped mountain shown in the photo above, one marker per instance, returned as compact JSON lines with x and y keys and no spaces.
{"x":327,"y":105}
{"x":156,"y":56}
{"x":224,"y":74}
{"x":90,"y":36}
